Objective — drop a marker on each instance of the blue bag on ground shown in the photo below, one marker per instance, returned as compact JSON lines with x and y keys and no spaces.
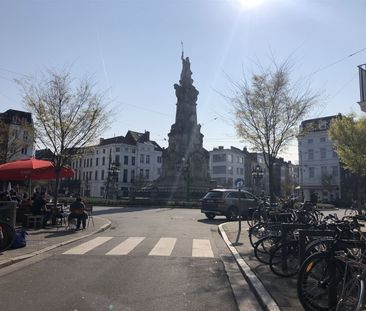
{"x":20,"y":240}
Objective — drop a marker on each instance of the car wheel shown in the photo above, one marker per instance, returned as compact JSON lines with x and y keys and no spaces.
{"x":232,"y":213}
{"x":210,"y":215}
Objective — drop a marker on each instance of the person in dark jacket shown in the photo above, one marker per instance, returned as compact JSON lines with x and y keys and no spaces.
{"x":77,"y":209}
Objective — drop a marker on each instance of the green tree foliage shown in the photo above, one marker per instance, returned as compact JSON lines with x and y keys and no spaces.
{"x":348,"y":135}
{"x":268,"y":111}
{"x":68,"y":115}
{"x":349,"y":138}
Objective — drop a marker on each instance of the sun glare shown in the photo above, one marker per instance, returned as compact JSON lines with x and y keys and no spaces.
{"x":248,"y":4}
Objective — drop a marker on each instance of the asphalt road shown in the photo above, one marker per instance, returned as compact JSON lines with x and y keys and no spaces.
{"x":150,"y":259}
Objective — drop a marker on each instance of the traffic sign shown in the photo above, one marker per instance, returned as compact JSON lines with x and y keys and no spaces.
{"x":239,"y":183}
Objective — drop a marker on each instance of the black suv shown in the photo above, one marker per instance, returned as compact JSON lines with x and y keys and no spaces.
{"x":226,"y":202}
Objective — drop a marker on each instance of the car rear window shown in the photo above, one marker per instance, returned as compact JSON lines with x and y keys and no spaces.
{"x":214,"y":195}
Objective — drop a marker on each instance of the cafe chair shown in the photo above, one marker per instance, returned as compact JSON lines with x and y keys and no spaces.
{"x":89,"y":210}
{"x":71,"y":224}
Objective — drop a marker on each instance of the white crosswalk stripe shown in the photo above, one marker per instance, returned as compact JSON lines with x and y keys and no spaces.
{"x":126,"y":246}
{"x":87,"y":246}
{"x":201,"y":248}
{"x":163,"y":247}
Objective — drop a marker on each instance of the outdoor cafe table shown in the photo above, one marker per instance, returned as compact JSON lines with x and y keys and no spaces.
{"x":55,"y":212}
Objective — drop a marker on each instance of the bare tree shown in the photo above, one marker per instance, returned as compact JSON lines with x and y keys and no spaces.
{"x":268,"y":111}
{"x":67,"y":115}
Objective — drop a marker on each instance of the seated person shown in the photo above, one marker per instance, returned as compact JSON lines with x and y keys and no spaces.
{"x":39,"y":208}
{"x":24,"y":207}
{"x":77,"y":209}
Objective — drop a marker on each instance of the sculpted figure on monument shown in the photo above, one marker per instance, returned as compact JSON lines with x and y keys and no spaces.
{"x":185,"y":76}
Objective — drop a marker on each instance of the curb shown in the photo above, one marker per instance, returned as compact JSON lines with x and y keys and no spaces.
{"x":51,"y":247}
{"x":264,"y":298}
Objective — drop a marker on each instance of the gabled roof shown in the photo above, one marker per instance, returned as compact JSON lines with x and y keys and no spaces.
{"x":113,"y":140}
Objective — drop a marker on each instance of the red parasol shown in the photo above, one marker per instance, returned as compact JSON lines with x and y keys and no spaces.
{"x":32,"y":169}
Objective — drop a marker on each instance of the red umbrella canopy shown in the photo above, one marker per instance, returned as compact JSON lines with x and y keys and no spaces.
{"x":31,"y":169}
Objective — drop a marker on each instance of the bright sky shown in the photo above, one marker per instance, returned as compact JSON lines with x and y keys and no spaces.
{"x":132,"y":48}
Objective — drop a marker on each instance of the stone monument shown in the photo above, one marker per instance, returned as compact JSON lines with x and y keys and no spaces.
{"x":185,"y":161}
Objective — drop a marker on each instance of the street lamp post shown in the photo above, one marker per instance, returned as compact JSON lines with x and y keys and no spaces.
{"x":187,"y":177}
{"x":112,"y":179}
{"x":257,"y":175}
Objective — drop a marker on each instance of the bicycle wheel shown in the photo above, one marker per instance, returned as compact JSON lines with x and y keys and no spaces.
{"x":7,"y":236}
{"x":262,"y":230}
{"x":350,"y":212}
{"x":264,"y":247}
{"x":317,"y":246}
{"x":256,"y":218}
{"x":352,"y":295}
{"x":314,"y":279}
{"x":290,"y":265}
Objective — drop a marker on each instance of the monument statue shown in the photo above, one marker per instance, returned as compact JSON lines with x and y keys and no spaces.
{"x":185,"y":161}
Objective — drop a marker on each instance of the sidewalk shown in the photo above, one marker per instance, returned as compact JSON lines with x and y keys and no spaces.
{"x":273,"y":292}
{"x":43,"y":240}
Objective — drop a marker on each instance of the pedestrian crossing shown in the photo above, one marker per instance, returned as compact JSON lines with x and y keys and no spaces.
{"x":164,"y":246}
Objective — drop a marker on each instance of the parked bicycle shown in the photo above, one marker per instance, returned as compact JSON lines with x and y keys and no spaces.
{"x":7,"y":235}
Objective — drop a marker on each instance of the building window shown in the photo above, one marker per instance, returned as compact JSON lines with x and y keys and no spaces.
{"x":241,"y":171}
{"x":103,"y":161}
{"x":96,"y":161}
{"x":230,"y":170}
{"x":237,"y":170}
{"x":102,"y":191}
{"x":147,"y":159}
{"x":141,"y":173}
{"x":310,"y":141}
{"x":24,"y":150}
{"x":132,"y":175}
{"x":142,"y":157}
{"x":102,"y":178}
{"x":322,"y":139}
{"x":219,"y":157}
{"x":219,"y":170}
{"x":84,"y":163}
{"x":324,"y":170}
{"x":96,"y":175}
{"x":133,"y":160}
{"x":125,"y":175}
{"x":334,"y":154}
{"x":116,"y":159}
{"x":133,"y":150}
{"x":103,"y":150}
{"x":118,"y":149}
{"x":311,"y":172}
{"x":127,"y":150}
{"x":323,"y":153}
{"x":125,"y":160}
{"x":230,"y":158}
{"x":83,"y":175}
{"x":147,"y":174}
{"x":311,"y":154}
{"x":159,"y":159}
{"x":335,"y":171}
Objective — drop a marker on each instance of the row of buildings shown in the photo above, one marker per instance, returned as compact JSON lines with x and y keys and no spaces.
{"x":119,"y":166}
